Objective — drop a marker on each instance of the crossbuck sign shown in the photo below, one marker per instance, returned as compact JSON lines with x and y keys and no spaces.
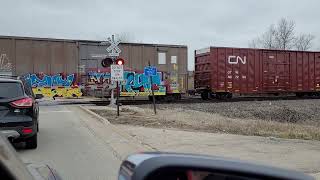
{"x":113,"y":50}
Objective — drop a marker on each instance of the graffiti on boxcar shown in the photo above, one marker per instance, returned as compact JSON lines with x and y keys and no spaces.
{"x":137,"y":84}
{"x":134,"y":84}
{"x":67,"y":92}
{"x":99,"y":77}
{"x":5,"y":65}
{"x":54,"y":85}
{"x":44,"y":80}
{"x":173,"y":78}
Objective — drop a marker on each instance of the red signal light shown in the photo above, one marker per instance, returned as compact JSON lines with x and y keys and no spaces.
{"x":120,"y":61}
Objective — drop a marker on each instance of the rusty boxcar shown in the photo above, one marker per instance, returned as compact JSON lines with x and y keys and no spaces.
{"x":222,"y":72}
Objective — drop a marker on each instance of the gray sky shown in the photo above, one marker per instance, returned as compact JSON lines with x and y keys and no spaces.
{"x":197,"y":24}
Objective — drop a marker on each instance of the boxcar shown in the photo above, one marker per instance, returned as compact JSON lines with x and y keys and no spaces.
{"x":170,"y":60}
{"x":62,"y":66}
{"x":34,"y":55}
{"x":221,"y":72}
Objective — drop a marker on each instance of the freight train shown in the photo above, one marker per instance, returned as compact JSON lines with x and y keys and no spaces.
{"x":221,"y":72}
{"x":72,"y":68}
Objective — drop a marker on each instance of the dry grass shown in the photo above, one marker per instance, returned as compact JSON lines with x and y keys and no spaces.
{"x":207,"y":122}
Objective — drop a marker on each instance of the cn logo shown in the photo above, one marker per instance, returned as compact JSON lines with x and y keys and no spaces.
{"x":236,"y":59}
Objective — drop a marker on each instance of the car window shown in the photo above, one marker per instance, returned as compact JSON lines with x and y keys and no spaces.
{"x":28,"y":90}
{"x":10,"y":89}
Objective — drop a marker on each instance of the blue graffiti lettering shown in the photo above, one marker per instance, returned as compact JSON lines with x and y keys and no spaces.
{"x":136,"y":81}
{"x":129,"y":76}
{"x":99,"y":77}
{"x":133,"y":82}
{"x":50,"y":81}
{"x":58,"y":81}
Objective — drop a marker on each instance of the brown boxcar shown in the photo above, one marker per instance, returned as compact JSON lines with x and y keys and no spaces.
{"x":33,"y":55}
{"x":169,"y":59}
{"x":222,"y":71}
{"x":46,"y":56}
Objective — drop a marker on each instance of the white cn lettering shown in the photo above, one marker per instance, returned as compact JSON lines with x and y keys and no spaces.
{"x":236,"y":59}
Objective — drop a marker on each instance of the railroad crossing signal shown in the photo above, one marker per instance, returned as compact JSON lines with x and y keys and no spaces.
{"x":120,"y":61}
{"x":116,"y":69}
{"x":113,"y":50}
{"x":106,"y":62}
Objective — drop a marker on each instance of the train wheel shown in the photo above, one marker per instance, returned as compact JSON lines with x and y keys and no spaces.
{"x":220,"y":96}
{"x":177,"y":96}
{"x":223,"y":96}
{"x":205,"y":95}
{"x":299,"y":94}
{"x":169,"y":98}
{"x":158,"y":98}
{"x":312,"y":94}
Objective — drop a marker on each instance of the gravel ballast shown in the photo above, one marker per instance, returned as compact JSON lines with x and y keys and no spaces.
{"x":293,"y":119}
{"x":294,"y":111}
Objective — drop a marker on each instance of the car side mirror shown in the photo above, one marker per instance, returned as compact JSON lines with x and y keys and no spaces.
{"x":171,"y":166}
{"x":39,"y":96}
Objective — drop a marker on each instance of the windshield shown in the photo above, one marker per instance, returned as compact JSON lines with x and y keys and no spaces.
{"x":102,"y":80}
{"x":10,"y":90}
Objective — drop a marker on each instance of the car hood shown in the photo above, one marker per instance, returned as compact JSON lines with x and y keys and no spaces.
{"x":42,"y":171}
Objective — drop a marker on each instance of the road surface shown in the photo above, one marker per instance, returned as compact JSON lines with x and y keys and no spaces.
{"x":77,"y":145}
{"x":81,"y":146}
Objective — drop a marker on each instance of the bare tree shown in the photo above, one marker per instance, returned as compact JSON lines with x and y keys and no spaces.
{"x":268,"y":39}
{"x":284,"y":34}
{"x":304,"y":42}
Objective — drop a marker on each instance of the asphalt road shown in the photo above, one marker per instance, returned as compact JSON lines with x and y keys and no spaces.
{"x":67,"y":143}
{"x":81,"y":146}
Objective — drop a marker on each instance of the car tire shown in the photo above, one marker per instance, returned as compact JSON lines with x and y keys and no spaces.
{"x":32,"y":142}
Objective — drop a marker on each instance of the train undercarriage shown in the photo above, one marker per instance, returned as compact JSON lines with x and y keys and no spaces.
{"x":207,"y":94}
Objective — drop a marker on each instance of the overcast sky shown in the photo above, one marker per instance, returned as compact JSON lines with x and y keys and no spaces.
{"x":197,"y":24}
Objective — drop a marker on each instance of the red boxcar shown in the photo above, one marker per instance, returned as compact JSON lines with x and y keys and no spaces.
{"x":223,"y":71}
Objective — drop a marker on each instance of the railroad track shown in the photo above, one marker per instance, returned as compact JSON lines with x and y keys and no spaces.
{"x":199,"y":100}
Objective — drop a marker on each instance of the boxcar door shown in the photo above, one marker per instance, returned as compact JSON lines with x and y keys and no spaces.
{"x":276,"y":75}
